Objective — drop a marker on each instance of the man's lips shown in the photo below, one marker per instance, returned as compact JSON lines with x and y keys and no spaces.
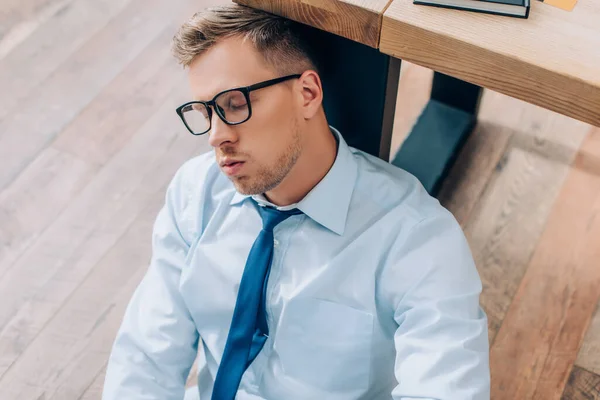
{"x":232,"y":167}
{"x":229,"y":161}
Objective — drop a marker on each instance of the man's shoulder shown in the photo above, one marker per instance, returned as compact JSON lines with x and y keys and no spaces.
{"x":394,"y":188}
{"x":192,"y":191}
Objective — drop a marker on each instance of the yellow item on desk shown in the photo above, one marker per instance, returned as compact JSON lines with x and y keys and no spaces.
{"x":562,"y":4}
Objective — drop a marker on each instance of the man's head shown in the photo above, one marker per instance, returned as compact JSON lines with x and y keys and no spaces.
{"x":235,"y":46}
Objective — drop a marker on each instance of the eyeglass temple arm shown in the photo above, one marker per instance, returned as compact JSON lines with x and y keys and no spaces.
{"x":272,"y":82}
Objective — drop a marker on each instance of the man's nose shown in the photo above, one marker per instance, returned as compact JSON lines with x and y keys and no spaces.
{"x":220,"y":133}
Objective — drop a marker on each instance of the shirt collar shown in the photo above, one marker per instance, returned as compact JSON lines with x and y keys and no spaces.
{"x":328,"y":202}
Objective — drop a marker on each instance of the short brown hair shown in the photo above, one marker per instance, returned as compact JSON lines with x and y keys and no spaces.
{"x":283,"y":43}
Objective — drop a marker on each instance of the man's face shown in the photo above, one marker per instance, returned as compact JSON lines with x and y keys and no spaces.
{"x":268,"y":145}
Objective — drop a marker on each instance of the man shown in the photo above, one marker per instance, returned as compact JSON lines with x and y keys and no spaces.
{"x":302,"y":268}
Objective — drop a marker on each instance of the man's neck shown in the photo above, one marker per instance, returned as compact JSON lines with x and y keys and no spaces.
{"x":312,"y":166}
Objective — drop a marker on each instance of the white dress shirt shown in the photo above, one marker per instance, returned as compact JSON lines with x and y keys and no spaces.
{"x":372,"y":294}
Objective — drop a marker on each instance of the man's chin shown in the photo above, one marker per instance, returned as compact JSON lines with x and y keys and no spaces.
{"x":244,"y":185}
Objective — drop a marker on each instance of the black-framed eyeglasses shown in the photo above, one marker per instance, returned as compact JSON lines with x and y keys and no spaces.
{"x":232,"y":106}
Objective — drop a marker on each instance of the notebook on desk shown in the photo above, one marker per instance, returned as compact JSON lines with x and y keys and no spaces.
{"x":512,"y":8}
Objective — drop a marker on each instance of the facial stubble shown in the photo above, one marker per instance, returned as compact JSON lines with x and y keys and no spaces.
{"x":269,"y":177}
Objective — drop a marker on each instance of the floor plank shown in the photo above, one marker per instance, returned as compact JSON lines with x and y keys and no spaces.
{"x":95,"y":135}
{"x":510,"y":216}
{"x":25,"y":66}
{"x":124,"y":104}
{"x":94,"y":390}
{"x":541,"y":334}
{"x":69,"y":248}
{"x":19,"y":29}
{"x":66,"y":357}
{"x":83,"y":75}
{"x":589,"y":354}
{"x":483,"y":151}
{"x":582,"y":385}
{"x":53,"y":177}
{"x":41,"y":356}
{"x":99,"y":312}
{"x":14,"y":12}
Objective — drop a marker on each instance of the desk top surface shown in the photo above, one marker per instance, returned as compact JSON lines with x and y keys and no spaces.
{"x":551,"y":59}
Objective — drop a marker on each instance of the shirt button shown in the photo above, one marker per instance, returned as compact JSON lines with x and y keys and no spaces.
{"x":276,"y":243}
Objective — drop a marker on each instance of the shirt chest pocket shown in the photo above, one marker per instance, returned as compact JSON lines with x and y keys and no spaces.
{"x":325,"y":344}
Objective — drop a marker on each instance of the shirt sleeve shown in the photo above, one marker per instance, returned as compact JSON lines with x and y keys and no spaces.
{"x":156,"y":344}
{"x":442,"y":349}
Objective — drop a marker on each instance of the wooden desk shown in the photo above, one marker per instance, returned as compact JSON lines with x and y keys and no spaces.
{"x":551,"y":59}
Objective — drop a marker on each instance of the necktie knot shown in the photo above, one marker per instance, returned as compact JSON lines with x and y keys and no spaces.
{"x":271,"y":217}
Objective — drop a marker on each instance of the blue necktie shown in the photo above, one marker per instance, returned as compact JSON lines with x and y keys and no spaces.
{"x":248,"y":331}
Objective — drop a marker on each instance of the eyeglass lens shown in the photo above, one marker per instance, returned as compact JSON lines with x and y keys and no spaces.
{"x":232,"y":106}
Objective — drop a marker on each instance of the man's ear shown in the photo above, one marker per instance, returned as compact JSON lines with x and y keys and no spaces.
{"x":312,"y":93}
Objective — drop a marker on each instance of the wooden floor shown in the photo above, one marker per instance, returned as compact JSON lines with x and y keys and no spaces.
{"x":89,"y":139}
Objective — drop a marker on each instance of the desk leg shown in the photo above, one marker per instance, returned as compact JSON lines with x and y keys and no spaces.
{"x":440,"y":132}
{"x":360,"y":87}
